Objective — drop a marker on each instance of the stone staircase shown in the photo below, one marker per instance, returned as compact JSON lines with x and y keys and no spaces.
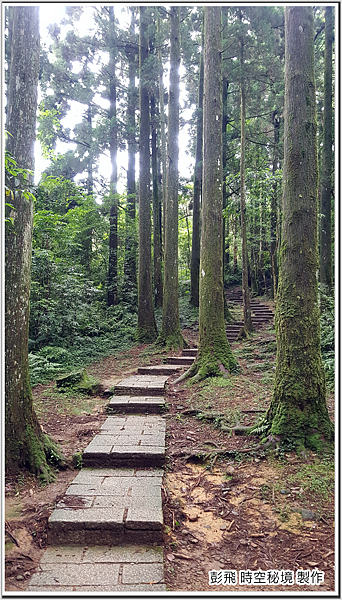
{"x":261,"y":314}
{"x":104,"y":535}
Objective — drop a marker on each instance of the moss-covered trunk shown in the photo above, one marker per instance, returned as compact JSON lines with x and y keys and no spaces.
{"x":326,"y":271}
{"x":274,"y":207}
{"x":298,"y":411}
{"x":170,"y":334}
{"x":146,"y":329}
{"x":214,"y":352}
{"x":26,"y":445}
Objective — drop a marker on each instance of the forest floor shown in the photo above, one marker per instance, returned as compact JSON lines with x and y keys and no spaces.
{"x":235,"y":513}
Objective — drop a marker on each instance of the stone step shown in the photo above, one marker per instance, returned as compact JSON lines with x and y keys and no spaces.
{"x":167,"y":369}
{"x":135,"y":404}
{"x":190,"y":352}
{"x":109,"y":507}
{"x":141,"y":385}
{"x":128,"y":441}
{"x":262,"y":319}
{"x":98,"y":569}
{"x":180,"y":360}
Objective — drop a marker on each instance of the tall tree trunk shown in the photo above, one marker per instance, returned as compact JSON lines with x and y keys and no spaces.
{"x":247,"y":316}
{"x":253,"y":243}
{"x":326,"y":187}
{"x":170,"y":334}
{"x":262,"y":284}
{"x":112,"y":286}
{"x":157,"y":247}
{"x":214,"y":353}
{"x":274,"y":207}
{"x":298,"y":411}
{"x":88,"y":234}
{"x":162,"y":123}
{"x":235,"y":250}
{"x":146,"y":330}
{"x":26,"y":445}
{"x":130,"y":266}
{"x":196,"y":212}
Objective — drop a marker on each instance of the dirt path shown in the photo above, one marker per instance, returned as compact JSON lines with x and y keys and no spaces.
{"x":239,"y":512}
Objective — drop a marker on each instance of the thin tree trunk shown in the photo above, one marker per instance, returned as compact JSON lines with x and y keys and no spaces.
{"x":327,"y":167}
{"x":157,"y":258}
{"x":247,"y":316}
{"x":146,"y":330}
{"x":112,"y":286}
{"x":130,"y":266}
{"x":235,"y":250}
{"x":274,"y":208}
{"x":170,"y":334}
{"x":162,"y":123}
{"x":196,"y":213}
{"x":262,"y":289}
{"x":298,"y":411}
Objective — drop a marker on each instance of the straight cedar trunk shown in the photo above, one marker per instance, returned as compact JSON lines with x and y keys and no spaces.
{"x":146,"y":329}
{"x":214,"y":353}
{"x":112,"y":286}
{"x":130,"y":265}
{"x":170,"y":334}
{"x":326,"y":275}
{"x":274,"y":207}
{"x":162,"y":124}
{"x":196,"y":212}
{"x":247,"y":315}
{"x":26,"y":444}
{"x":298,"y":411}
{"x":157,"y":240}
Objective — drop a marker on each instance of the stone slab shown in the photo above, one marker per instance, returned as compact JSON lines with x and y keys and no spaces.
{"x":136,"y":404}
{"x":180,"y":360}
{"x":166,"y":369}
{"x":100,"y":568}
{"x":109,"y":509}
{"x":130,"y":441}
{"x":190,"y":352}
{"x":141,"y":385}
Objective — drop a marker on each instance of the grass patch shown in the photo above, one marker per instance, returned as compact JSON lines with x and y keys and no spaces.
{"x":66,"y":402}
{"x":317,"y":478}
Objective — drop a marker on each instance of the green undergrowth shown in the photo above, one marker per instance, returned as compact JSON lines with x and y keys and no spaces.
{"x":66,"y":402}
{"x":316,"y":478}
{"x":50,"y":362}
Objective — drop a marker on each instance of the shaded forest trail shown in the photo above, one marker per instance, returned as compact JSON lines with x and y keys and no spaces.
{"x":219,"y":491}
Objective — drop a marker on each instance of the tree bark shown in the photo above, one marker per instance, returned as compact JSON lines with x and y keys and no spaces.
{"x":112,"y":286}
{"x":170,"y":334}
{"x":298,"y":411}
{"x":157,"y":245}
{"x":196,"y":211}
{"x":326,"y":274}
{"x":247,"y":315}
{"x":146,"y":329}
{"x":274,"y":208}
{"x":214,"y":353}
{"x":162,"y":125}
{"x":130,"y":266}
{"x":26,"y":445}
